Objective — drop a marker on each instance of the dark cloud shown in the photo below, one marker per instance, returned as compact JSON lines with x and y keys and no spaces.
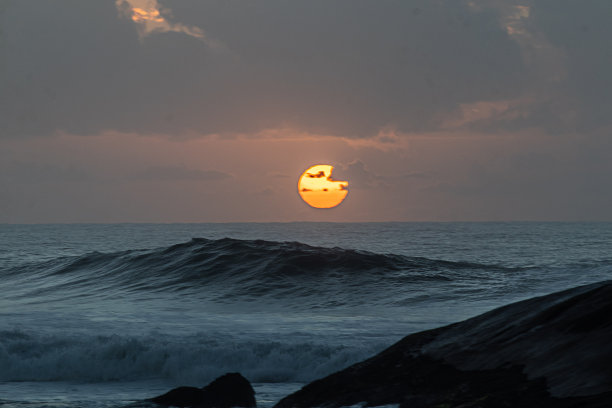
{"x":268,"y":191}
{"x":78,"y":67}
{"x":359,"y":176}
{"x":582,"y":32}
{"x":176,"y":173}
{"x":346,"y":68}
{"x":29,"y":172}
{"x":343,"y":67}
{"x":566,"y":47}
{"x":278,"y":175}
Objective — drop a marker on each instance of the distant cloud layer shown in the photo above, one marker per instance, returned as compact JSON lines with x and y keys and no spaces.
{"x":177,"y":173}
{"x":348,"y":68}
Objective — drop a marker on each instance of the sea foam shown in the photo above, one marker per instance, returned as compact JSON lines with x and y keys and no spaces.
{"x":194,"y":359}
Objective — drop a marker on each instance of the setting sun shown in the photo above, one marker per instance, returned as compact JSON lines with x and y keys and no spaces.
{"x":319,"y":190}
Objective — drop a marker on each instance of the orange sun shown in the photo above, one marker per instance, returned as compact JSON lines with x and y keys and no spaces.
{"x":319,"y":190}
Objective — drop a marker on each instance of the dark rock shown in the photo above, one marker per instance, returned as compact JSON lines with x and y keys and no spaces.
{"x":550,"y":351}
{"x":181,"y":397}
{"x":229,"y":390}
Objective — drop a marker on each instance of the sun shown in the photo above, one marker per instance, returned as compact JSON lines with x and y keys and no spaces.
{"x":319,"y":190}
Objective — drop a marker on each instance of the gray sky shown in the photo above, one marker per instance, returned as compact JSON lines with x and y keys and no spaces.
{"x":187,"y":111}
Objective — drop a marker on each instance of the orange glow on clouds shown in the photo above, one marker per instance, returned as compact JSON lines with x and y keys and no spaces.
{"x":141,"y":15}
{"x":319,"y":190}
{"x":147,"y":14}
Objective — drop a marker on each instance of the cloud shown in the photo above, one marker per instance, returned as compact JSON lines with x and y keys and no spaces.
{"x":565,"y":49}
{"x":277,"y":175}
{"x":31,"y":172}
{"x":359,"y":176}
{"x":469,"y":176}
{"x":151,"y":18}
{"x":320,"y":174}
{"x":85,"y":68}
{"x":267,"y":192}
{"x":179,"y":173}
{"x":178,"y":67}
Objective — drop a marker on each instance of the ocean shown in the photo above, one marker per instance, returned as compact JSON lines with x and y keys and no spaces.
{"x":108,"y":315}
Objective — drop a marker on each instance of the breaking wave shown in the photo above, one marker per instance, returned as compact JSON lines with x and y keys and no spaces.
{"x":193,"y":359}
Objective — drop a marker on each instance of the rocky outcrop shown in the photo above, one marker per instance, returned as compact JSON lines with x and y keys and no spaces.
{"x":550,"y":351}
{"x":229,"y":390}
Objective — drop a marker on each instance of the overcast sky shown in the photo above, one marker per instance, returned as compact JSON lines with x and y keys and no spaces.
{"x":198,"y":111}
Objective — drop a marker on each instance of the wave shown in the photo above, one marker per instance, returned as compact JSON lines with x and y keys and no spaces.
{"x":194,"y":359}
{"x":231,"y":270}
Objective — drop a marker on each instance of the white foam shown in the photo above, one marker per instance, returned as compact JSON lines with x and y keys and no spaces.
{"x":192,"y":359}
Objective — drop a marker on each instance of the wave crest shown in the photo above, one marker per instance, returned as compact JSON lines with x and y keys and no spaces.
{"x":231,"y":270}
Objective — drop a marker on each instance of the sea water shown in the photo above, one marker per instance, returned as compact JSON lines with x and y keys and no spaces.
{"x":109,"y":315}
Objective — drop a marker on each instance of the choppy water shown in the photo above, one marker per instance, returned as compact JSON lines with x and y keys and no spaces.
{"x":104,"y":315}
